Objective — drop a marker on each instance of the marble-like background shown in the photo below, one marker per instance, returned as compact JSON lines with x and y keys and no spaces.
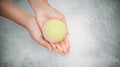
{"x":94,"y":27}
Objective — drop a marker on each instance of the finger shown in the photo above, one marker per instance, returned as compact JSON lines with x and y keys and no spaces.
{"x":67,"y":43}
{"x":64,"y":47}
{"x":45,"y":44}
{"x":59,"y":47}
{"x":56,"y":50}
{"x":53,"y":45}
{"x":41,"y":21}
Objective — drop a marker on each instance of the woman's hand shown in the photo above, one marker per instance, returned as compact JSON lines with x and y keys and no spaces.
{"x":23,"y":18}
{"x":43,"y":12}
{"x":36,"y":33}
{"x":50,"y":13}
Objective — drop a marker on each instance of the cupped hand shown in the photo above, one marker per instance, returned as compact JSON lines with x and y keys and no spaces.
{"x":36,"y":33}
{"x":41,"y":16}
{"x":50,"y":13}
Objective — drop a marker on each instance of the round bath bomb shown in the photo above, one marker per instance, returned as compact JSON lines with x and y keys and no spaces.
{"x":54,"y":30}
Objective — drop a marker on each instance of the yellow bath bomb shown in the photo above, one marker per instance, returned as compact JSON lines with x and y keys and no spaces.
{"x":54,"y":30}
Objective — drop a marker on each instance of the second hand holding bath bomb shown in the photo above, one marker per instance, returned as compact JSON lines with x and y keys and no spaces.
{"x":54,"y":30}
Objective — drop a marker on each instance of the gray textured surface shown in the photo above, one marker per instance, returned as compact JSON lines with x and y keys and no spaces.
{"x":94,"y":27}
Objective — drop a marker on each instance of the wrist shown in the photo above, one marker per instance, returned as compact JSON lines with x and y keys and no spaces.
{"x":30,"y":24}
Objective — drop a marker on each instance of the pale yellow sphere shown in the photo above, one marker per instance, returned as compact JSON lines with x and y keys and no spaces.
{"x":54,"y":30}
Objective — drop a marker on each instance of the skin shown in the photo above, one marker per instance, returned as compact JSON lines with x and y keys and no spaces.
{"x":43,"y":12}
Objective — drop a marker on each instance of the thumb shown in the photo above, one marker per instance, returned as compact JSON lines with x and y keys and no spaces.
{"x":41,"y":21}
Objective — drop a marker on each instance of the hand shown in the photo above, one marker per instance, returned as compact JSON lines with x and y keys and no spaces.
{"x":34,"y":25}
{"x":48,"y":13}
{"x":43,"y":12}
{"x":36,"y":33}
{"x":14,"y":12}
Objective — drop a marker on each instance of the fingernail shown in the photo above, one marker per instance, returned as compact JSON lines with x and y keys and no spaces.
{"x":65,"y":49}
